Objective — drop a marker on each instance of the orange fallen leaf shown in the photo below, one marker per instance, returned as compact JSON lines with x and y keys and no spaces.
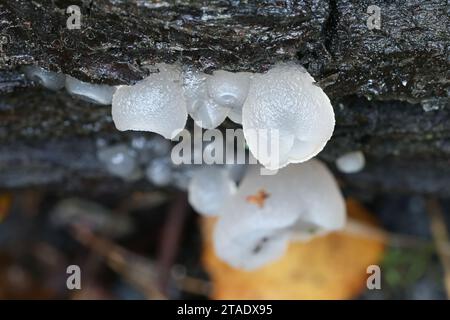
{"x":329,"y":267}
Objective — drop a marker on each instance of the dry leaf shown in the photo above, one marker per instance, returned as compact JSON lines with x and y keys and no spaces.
{"x":329,"y":267}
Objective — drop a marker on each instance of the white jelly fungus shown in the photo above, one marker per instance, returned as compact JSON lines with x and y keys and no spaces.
{"x":159,"y":172}
{"x":48,"y":79}
{"x":155,"y":104}
{"x":286,"y":110}
{"x":267,"y":211}
{"x":206,"y":112}
{"x":230,"y":90}
{"x":209,"y":189}
{"x":120,"y":160}
{"x":351,"y":162}
{"x":211,"y":98}
{"x":235,"y":115}
{"x":93,"y":93}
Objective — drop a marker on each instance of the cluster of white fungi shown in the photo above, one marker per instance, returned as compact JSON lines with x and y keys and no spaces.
{"x":259,"y":214}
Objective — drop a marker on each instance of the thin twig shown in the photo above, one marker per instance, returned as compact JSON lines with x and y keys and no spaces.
{"x":170,"y":239}
{"x":137,"y":270}
{"x":190,"y":284}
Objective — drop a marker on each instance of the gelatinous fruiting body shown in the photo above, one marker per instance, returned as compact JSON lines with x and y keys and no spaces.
{"x":285,"y":111}
{"x":120,"y":160}
{"x":48,"y":79}
{"x":93,"y":93}
{"x":298,"y":202}
{"x":155,"y":104}
{"x":206,"y":112}
{"x":351,"y":162}
{"x":159,"y":172}
{"x":230,"y":90}
{"x":209,"y":189}
{"x":211,"y":98}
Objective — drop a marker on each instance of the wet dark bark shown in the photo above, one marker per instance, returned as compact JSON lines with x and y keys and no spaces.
{"x":372,"y":77}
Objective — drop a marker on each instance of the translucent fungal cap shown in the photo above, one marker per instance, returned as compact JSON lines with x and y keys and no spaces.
{"x":48,"y":79}
{"x":351,"y":162}
{"x":119,"y":160}
{"x":229,"y":89}
{"x":207,"y":113}
{"x":285,"y":108}
{"x":235,"y":115}
{"x":298,"y":202}
{"x":155,"y":104}
{"x":209,"y":189}
{"x":93,"y":93}
{"x":204,"y":110}
{"x":211,"y":98}
{"x":159,"y":172}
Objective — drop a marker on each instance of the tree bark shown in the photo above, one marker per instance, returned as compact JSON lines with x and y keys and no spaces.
{"x":380,"y":81}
